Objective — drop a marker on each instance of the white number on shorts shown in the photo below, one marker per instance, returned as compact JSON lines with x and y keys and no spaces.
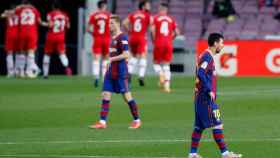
{"x":164,"y":28}
{"x":27,"y":17}
{"x":217,"y":114}
{"x":59,"y":25}
{"x":101,"y":24}
{"x":137,"y":25}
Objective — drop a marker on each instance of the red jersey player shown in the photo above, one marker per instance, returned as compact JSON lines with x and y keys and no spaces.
{"x":29,"y":19}
{"x":55,"y":41}
{"x":98,"y":26}
{"x":138,"y":23}
{"x":10,"y":39}
{"x":164,"y":29}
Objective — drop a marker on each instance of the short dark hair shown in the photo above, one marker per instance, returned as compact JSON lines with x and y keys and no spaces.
{"x":214,"y":37}
{"x":142,"y":4}
{"x":56,"y":5}
{"x":163,"y":4}
{"x":25,"y":2}
{"x":101,"y":3}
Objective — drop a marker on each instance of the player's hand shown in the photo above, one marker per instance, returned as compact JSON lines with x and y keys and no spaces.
{"x":212,"y":95}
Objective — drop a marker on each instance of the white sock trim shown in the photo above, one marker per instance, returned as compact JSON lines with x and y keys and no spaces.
{"x":157,"y":68}
{"x":142,"y":67}
{"x":64,"y":60}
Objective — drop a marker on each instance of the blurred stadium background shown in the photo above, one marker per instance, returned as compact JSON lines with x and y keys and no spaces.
{"x":250,"y":20}
{"x":50,"y":118}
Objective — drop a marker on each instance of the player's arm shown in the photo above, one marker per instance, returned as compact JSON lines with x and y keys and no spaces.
{"x":124,"y":55}
{"x":125,"y":51}
{"x":43,"y":23}
{"x":5,"y":14}
{"x":176,"y":32}
{"x":201,"y":73}
{"x":68,"y":25}
{"x":89,"y":27}
{"x":126,"y":23}
{"x":153,"y":32}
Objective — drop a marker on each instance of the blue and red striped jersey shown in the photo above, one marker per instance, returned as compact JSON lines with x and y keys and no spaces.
{"x":118,"y":69}
{"x":206,"y":78}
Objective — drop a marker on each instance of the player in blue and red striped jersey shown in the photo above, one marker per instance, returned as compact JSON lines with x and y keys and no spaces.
{"x":116,"y":77}
{"x":207,"y":113}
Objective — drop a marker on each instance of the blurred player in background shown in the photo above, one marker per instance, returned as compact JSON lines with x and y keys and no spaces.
{"x":138,"y":24}
{"x":116,"y":78}
{"x":207,"y":113}
{"x":11,"y":38}
{"x":29,"y":19}
{"x":58,"y":22}
{"x":98,"y":26}
{"x":164,"y":29}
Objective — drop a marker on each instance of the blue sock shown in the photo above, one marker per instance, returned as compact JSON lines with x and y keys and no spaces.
{"x":104,"y":109}
{"x":219,"y":138}
{"x":133,"y":109}
{"x":196,"y":136}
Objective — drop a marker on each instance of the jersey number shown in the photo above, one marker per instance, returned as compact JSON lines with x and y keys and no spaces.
{"x":137,"y":25}
{"x":164,"y":28}
{"x":59,"y":25}
{"x":27,"y":17}
{"x":13,"y":21}
{"x":101,"y":24}
{"x":217,"y":114}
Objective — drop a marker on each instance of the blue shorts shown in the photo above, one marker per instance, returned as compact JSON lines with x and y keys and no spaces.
{"x":120,"y":85}
{"x":207,"y":113}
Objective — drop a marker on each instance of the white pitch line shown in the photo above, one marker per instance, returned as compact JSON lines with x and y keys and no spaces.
{"x":81,"y":156}
{"x":136,"y":141}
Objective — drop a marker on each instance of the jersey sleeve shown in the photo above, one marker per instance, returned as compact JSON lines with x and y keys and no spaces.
{"x":49,"y":17}
{"x":90,"y":20}
{"x":124,"y":43}
{"x":202,"y":70}
{"x":38,"y":15}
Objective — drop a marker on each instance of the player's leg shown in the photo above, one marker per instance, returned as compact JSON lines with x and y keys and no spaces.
{"x":199,"y":127}
{"x":123,"y":87}
{"x":157,"y":67}
{"x":167,"y":58}
{"x":218,"y":133}
{"x":108,"y":89}
{"x":49,"y":49}
{"x":61,"y":49}
{"x":142,"y":62}
{"x":136,"y":123}
{"x":133,"y":60}
{"x":105,"y":57}
{"x":20,"y":57}
{"x":65,"y":62}
{"x":20,"y":64}
{"x":10,"y":64}
{"x":102,"y":123}
{"x":97,"y":51}
{"x":104,"y":65}
{"x":10,"y":47}
{"x":167,"y":77}
{"x":96,"y":68}
{"x":46,"y":65}
{"x":196,"y":136}
{"x":32,"y":70}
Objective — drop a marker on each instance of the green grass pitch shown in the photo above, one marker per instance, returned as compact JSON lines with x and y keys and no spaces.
{"x":49,"y":118}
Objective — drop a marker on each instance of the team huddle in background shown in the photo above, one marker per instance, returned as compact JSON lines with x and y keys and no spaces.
{"x":21,"y":39}
{"x":137,"y":24}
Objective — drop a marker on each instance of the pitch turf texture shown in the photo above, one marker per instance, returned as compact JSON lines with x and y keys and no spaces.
{"x":50,"y":118}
